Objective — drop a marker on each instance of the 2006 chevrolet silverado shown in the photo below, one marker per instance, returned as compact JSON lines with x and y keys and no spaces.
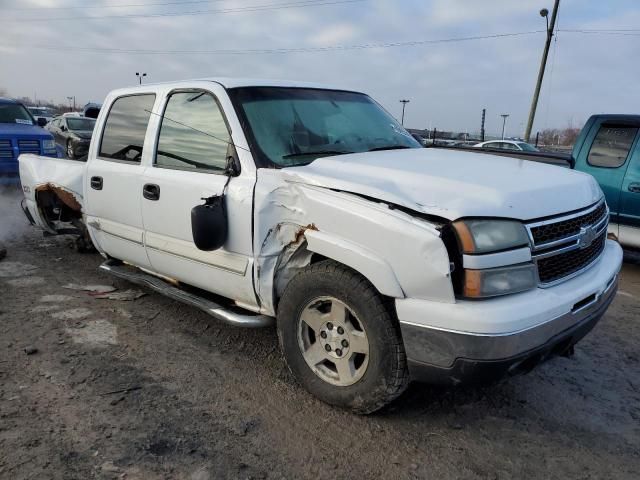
{"x":380,"y":261}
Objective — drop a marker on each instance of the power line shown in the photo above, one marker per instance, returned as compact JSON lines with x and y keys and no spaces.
{"x":599,"y":30}
{"x":254,"y":8}
{"x":623,"y":33}
{"x":332,"y":48}
{"x":94,"y":7}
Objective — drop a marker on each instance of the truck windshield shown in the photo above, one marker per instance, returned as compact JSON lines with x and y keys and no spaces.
{"x":14,"y":113}
{"x":294,"y":126}
{"x":81,"y":124}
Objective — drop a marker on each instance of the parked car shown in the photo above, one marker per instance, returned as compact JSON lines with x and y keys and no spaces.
{"x":379,"y":261}
{"x":73,"y":134}
{"x":91,"y":110}
{"x":20,"y":133}
{"x":42,"y":112}
{"x":507,"y":145}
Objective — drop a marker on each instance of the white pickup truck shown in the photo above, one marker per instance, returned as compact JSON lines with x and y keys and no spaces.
{"x":381,"y":262}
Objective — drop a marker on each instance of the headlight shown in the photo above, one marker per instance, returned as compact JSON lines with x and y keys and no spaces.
{"x":485,"y":236}
{"x":48,"y":144}
{"x":499,"y":281}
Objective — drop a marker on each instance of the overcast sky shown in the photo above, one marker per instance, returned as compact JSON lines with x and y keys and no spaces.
{"x":448,"y":83}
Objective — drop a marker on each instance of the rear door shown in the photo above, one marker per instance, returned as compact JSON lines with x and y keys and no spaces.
{"x":114,"y":179}
{"x":192,"y":147}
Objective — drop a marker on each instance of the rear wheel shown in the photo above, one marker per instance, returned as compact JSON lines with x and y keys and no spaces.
{"x":341,"y":339}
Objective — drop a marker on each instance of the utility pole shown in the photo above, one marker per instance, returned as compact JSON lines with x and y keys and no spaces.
{"x":543,"y":63}
{"x":484,"y":113}
{"x":504,"y":122}
{"x":140,"y":75}
{"x":404,"y":104}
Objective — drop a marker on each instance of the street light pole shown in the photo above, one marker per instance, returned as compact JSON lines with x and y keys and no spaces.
{"x":140,"y":75}
{"x":504,"y":122}
{"x":74,"y":103}
{"x":404,"y":104}
{"x":543,"y":63}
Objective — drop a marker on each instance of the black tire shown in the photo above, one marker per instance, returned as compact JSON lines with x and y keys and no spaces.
{"x":386,"y":375}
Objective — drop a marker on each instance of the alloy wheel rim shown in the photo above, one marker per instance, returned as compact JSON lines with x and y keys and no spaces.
{"x":333,"y":341}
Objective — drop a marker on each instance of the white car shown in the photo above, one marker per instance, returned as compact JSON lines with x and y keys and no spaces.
{"x":379,"y":261}
{"x":512,"y":145}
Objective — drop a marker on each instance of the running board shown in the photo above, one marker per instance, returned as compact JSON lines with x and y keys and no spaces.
{"x":220,"y":312}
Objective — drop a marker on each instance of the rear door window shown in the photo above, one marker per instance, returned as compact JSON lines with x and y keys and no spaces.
{"x":611,"y":146}
{"x":126,"y":127}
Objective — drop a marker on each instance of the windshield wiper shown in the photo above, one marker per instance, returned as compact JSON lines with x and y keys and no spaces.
{"x":389,"y":147}
{"x":320,"y":152}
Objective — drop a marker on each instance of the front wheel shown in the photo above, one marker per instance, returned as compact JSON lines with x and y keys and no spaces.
{"x":341,"y":339}
{"x":71,"y":153}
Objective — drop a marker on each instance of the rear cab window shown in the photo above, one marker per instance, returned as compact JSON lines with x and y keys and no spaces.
{"x":125,"y":128}
{"x":611,"y":146}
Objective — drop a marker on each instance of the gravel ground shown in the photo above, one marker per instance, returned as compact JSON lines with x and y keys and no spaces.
{"x":149,"y":388}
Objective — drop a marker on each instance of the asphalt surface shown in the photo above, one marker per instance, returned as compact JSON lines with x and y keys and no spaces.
{"x":149,"y":388}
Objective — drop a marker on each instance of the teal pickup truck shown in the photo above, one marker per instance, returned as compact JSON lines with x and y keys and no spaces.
{"x":608,"y":148}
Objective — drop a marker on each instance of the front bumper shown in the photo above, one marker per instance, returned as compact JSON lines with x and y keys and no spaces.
{"x":485,"y":340}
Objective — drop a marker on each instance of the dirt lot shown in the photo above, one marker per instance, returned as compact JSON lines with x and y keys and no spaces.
{"x":209,"y":401}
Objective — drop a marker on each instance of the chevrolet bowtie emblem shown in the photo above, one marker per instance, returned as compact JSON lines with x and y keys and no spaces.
{"x":586,"y":237}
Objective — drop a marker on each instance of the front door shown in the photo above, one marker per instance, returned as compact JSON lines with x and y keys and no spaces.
{"x":114,"y":180}
{"x":607,"y":159}
{"x":188,"y":165}
{"x":630,"y":203}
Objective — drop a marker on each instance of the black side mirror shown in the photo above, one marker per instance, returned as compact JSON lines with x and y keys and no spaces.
{"x":209,"y":224}
{"x":41,"y":121}
{"x":63,"y":128}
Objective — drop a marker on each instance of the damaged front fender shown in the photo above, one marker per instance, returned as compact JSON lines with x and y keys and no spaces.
{"x":401,"y":255}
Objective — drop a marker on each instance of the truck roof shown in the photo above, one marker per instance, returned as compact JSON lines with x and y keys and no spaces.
{"x":616,"y":117}
{"x":8,"y":101}
{"x":232,"y":82}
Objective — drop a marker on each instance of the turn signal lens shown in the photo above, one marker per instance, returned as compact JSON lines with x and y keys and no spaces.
{"x":499,"y":281}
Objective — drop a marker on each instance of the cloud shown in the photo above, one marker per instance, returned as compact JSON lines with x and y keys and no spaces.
{"x":340,"y":33}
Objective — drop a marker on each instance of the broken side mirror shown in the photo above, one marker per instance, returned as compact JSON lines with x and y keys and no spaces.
{"x":209,"y":224}
{"x":209,"y":221}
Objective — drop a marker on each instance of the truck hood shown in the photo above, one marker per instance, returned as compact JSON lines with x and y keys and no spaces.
{"x":453,"y":184}
{"x":20,"y":130}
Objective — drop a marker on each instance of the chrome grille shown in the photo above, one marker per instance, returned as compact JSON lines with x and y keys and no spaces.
{"x":29,"y":146}
{"x":5,"y":149}
{"x":566,"y":228}
{"x":563,"y":247}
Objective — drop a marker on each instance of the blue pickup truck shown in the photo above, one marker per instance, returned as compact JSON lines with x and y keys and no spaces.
{"x":20,"y":133}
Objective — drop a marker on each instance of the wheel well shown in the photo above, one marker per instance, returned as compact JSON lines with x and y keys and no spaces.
{"x":57,"y":205}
